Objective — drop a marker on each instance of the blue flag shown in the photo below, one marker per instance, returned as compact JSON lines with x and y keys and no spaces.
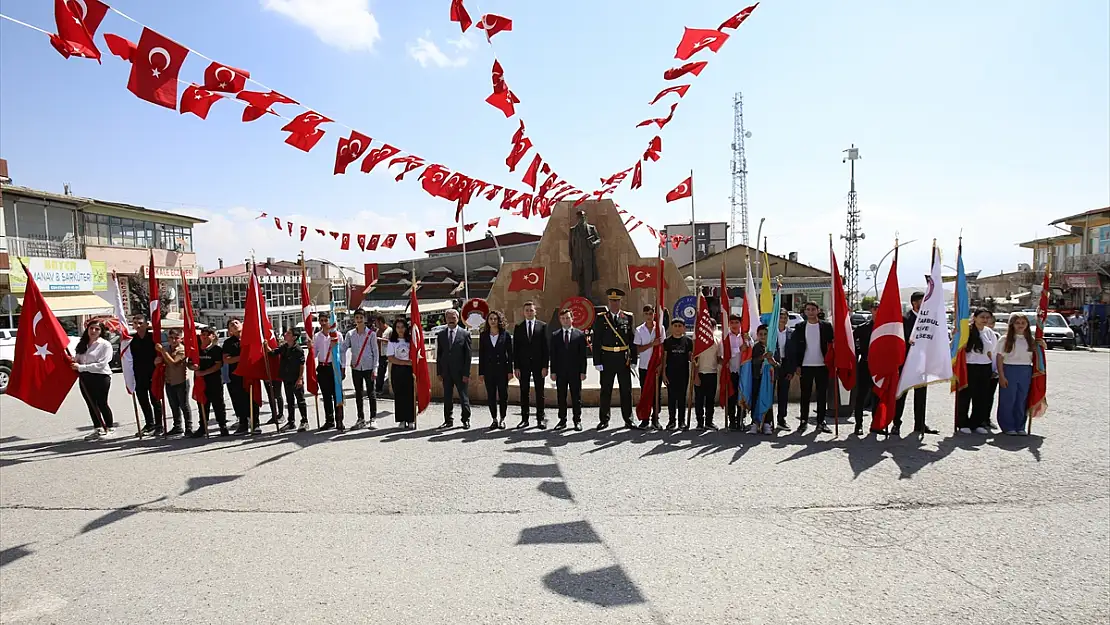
{"x":766,"y":396}
{"x":336,"y":366}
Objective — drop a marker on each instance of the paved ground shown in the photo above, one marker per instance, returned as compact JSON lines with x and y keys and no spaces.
{"x":425,"y":527}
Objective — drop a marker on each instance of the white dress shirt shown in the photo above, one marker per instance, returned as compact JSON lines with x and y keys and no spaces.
{"x":644,"y":336}
{"x":1020,"y":355}
{"x":354,"y":342}
{"x":986,"y":357}
{"x":96,"y":358}
{"x":321,"y":343}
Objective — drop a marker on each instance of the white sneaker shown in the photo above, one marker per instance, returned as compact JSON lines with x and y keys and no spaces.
{"x":372,"y":425}
{"x":768,"y":428}
{"x":964,"y":430}
{"x":111,"y":431}
{"x":94,"y":435}
{"x":754,"y":429}
{"x":983,"y":431}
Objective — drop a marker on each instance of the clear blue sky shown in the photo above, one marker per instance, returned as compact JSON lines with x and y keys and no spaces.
{"x":989,"y":116}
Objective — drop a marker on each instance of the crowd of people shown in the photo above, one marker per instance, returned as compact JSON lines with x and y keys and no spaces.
{"x":532,"y":353}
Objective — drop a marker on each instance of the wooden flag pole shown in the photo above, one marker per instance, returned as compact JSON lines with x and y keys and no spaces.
{"x":413,"y":348}
{"x":316,"y":400}
{"x":138,"y":426}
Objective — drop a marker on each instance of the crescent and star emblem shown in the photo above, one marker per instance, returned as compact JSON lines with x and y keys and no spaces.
{"x":354,"y":147}
{"x":312,"y":117}
{"x":42,"y":351}
{"x":532,"y":278}
{"x":704,"y":42}
{"x":157,"y":71}
{"x":640,"y":277}
{"x":224,"y":83}
{"x":82,"y":8}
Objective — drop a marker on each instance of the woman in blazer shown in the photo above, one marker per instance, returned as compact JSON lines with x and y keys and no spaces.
{"x":495,"y":366}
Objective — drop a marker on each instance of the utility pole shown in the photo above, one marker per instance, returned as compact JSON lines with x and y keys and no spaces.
{"x":739,"y":174}
{"x":853,"y":235}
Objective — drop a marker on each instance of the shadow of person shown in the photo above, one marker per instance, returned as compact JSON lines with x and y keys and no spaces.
{"x":1032,"y":443}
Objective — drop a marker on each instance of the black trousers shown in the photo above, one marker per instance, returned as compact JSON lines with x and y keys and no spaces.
{"x":383,"y":366}
{"x":294,"y":396}
{"x":531,"y":376}
{"x":658,"y":385}
{"x":363,"y":380}
{"x":325,"y":376}
{"x":450,"y":386}
{"x":735,"y":412}
{"x":152,"y":408}
{"x":782,"y":393}
{"x":240,"y":399}
{"x":94,"y":388}
{"x":572,"y":383}
{"x":705,"y":397}
{"x":677,"y":385}
{"x":273,"y":397}
{"x":920,"y":395}
{"x":819,"y":377}
{"x":497,"y":394}
{"x":214,"y":401}
{"x":614,"y":366}
{"x":178,"y":397}
{"x":865,"y":396}
{"x":974,"y":403}
{"x":400,"y":376}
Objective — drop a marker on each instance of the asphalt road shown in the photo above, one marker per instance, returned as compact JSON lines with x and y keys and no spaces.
{"x":426,"y":527}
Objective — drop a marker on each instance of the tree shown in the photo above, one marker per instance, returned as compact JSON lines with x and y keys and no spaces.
{"x":140,"y":297}
{"x":867,"y":303}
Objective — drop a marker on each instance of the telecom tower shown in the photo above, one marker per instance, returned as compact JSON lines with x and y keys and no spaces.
{"x":739,"y":173}
{"x":854,"y":235}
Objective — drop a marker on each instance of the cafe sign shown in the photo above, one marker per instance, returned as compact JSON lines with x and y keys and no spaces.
{"x":60,"y":275}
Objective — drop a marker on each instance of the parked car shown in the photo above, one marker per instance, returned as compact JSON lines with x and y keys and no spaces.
{"x":7,"y":357}
{"x":1056,"y":330}
{"x":859,"y":318}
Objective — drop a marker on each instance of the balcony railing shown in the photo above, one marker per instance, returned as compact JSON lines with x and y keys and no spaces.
{"x":1087,"y":262}
{"x":41,"y":246}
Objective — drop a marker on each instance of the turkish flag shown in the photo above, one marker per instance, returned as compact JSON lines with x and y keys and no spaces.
{"x":77,"y":21}
{"x":411,"y":238}
{"x":527,"y":279}
{"x":277,"y":222}
{"x":684,"y":189}
{"x":452,"y":237}
{"x":887,"y":350}
{"x":533,"y":169}
{"x":430,"y":233}
{"x":345,"y":244}
{"x":225,"y":78}
{"x":469,"y":227}
{"x":654,"y":149}
{"x":158,"y":382}
{"x":696,"y":39}
{"x":504,"y":101}
{"x":494,"y":24}
{"x":304,"y":231}
{"x":390,"y":239}
{"x":637,"y":176}
{"x":493,"y":223}
{"x":491,"y":195}
{"x":735,"y":21}
{"x":289,"y":225}
{"x":372,"y":242}
{"x":842,"y":356}
{"x":362,"y":242}
{"x":660,"y":121}
{"x":497,"y":75}
{"x":679,"y":89}
{"x":689,"y":68}
{"x":154,"y":299}
{"x":459,"y":14}
{"x":521,"y":145}
{"x":259,"y":103}
{"x":433,"y":177}
{"x":155,"y":63}
{"x":305,"y":123}
{"x":197,"y":101}
{"x":322,"y":233}
{"x":254,"y":362}
{"x":410,"y":162}
{"x":41,"y":375}
{"x":305,"y":142}
{"x":334,"y":235}
{"x":423,"y":390}
{"x":377,"y":155}
{"x":616,"y":178}
{"x":349,"y":150}
{"x":548,"y":184}
{"x":309,"y":328}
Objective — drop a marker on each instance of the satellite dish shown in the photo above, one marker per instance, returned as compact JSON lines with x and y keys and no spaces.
{"x":747,"y":134}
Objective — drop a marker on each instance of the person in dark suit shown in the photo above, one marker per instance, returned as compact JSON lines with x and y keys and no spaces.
{"x":453,"y":366}
{"x":495,"y":366}
{"x":864,"y":395}
{"x":809,"y":344}
{"x":612,"y":356}
{"x":921,"y":393}
{"x":568,"y":368}
{"x":530,"y":359}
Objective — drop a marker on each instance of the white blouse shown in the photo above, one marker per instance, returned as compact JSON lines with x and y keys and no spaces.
{"x":1020,"y":355}
{"x":990,"y":344}
{"x":399,"y":349}
{"x":493,"y":338}
{"x":96,"y":358}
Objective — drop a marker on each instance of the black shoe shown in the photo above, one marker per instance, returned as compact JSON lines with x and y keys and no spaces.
{"x":197,"y":433}
{"x":655,"y":424}
{"x":783,"y":425}
{"x":175,"y":431}
{"x":927,"y":430}
{"x":523,"y":424}
{"x":328,"y":425}
{"x":701,"y":424}
{"x":224,"y":432}
{"x":577,"y":426}
{"x":446,"y":425}
{"x":630,"y":425}
{"x":859,"y":429}
{"x":685,"y":427}
{"x":501,"y":423}
{"x":289,"y":426}
{"x":710,"y":426}
{"x":273,"y":420}
{"x":561,"y":425}
{"x":895,"y":431}
{"x":671,"y":424}
{"x":823,"y":428}
{"x":541,"y":424}
{"x":466,"y":424}
{"x":802,"y":427}
{"x":339,"y":427}
{"x":496,"y":425}
{"x":148,"y":429}
{"x":601,"y":425}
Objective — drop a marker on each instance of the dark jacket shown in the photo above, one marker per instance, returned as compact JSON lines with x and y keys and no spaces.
{"x":495,"y":360}
{"x":568,"y":359}
{"x":796,"y":348}
{"x":862,"y":334}
{"x":604,"y":335}
{"x":143,"y":354}
{"x":232,"y":347}
{"x":453,"y":360}
{"x":909,"y":320}
{"x":530,"y":355}
{"x":291,"y":362}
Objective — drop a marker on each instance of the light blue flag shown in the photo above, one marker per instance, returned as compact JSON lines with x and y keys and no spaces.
{"x":766,"y":396}
{"x":336,"y":366}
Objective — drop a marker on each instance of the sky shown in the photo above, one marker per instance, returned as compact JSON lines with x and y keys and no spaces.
{"x":987,"y":118}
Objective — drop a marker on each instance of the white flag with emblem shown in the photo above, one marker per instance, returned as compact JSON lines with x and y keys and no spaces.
{"x":929,"y":360}
{"x":128,"y":363}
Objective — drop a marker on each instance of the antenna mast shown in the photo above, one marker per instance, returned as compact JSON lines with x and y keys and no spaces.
{"x":739,"y":173}
{"x":853,"y":235}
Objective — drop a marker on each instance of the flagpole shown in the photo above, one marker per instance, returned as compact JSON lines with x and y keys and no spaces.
{"x":956,"y":323}
{"x":833,"y":377}
{"x":462,"y":233}
{"x":693,"y":234}
{"x":138,"y":426}
{"x":659,"y":293}
{"x":316,"y":395}
{"x":266,"y":358}
{"x":413,"y":348}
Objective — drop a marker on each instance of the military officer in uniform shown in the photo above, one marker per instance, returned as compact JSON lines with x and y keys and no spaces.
{"x":613,"y":336}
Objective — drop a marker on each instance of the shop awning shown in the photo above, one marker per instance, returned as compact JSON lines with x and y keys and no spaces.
{"x":401,"y":305}
{"x":76,"y":304}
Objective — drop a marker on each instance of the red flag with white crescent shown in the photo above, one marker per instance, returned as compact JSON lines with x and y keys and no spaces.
{"x":528,"y":279}
{"x":225,"y":78}
{"x":41,"y":375}
{"x":77,"y":21}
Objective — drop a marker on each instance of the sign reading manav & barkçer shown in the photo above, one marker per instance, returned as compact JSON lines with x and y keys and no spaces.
{"x":60,"y":275}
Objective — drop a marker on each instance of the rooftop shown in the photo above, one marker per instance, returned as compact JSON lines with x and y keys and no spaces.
{"x":79,"y":200}
{"x":1097,"y":212}
{"x":482,"y":243}
{"x":1060,"y":238}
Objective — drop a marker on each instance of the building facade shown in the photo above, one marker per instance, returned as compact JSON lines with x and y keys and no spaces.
{"x":709,"y":237}
{"x":800,"y":282}
{"x":1079,"y":259}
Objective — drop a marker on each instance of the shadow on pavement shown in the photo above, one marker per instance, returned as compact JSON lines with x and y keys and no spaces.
{"x":11,"y":554}
{"x":608,"y":587}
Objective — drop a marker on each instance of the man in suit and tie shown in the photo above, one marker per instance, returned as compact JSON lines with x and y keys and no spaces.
{"x":568,"y":368}
{"x":453,"y":367}
{"x":530,"y":357}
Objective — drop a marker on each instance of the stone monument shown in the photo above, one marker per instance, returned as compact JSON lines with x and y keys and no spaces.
{"x":583,"y":245}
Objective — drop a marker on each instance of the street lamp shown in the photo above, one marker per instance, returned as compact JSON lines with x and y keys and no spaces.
{"x":874,"y":269}
{"x":500,"y":258}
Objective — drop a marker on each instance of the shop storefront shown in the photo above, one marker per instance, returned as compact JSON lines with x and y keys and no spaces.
{"x":72,"y":288}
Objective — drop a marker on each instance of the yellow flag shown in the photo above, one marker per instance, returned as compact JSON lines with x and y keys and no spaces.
{"x":766,"y":299}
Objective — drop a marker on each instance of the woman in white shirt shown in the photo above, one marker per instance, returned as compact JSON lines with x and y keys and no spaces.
{"x":94,"y":353}
{"x":973,"y":404}
{"x":399,"y":351}
{"x":1015,"y":374}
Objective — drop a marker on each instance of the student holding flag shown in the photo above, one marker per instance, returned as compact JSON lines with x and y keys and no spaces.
{"x":326,"y":344}
{"x":94,"y":352}
{"x":291,"y":360}
{"x":210,"y":372}
{"x":143,"y":354}
{"x":975,"y":399}
{"x":769,"y":365}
